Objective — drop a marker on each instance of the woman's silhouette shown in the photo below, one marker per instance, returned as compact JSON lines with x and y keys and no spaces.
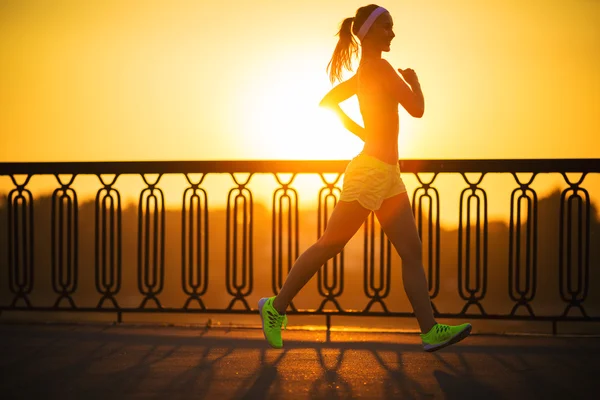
{"x":372,"y":180}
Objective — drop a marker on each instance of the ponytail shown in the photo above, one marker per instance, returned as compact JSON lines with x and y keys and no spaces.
{"x":345,"y":50}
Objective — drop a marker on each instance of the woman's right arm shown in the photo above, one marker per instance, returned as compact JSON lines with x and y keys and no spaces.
{"x":411,"y":97}
{"x":338,"y":94}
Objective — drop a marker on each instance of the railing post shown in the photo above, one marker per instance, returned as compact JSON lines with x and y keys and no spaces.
{"x":151,"y":242}
{"x":477,"y":292}
{"x":515,"y":273}
{"x":20,"y":242}
{"x":581,"y":227}
{"x":282,"y":197}
{"x":237,"y":288}
{"x":194,"y":253}
{"x":64,"y":237}
{"x":330,"y":192}
{"x":107,"y":258}
{"x":432,"y":242}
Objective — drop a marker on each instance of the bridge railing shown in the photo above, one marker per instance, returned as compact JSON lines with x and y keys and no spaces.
{"x":574,"y":276}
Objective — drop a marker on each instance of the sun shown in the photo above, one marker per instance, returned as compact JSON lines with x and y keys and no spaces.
{"x":285,"y":121}
{"x":282,"y":119}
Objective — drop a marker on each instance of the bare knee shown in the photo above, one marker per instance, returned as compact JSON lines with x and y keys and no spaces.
{"x":330,"y":247}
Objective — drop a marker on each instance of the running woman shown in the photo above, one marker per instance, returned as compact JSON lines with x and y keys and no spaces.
{"x":372,"y":180}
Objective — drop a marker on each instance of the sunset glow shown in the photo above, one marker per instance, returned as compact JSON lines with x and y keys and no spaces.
{"x":242,"y":80}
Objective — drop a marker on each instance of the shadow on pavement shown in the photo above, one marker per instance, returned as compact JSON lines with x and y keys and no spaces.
{"x":178,"y":363}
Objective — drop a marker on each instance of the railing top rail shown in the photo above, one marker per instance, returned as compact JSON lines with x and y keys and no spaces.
{"x":295,"y":166}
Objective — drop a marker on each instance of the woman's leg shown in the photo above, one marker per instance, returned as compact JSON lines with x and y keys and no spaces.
{"x":398,"y":223}
{"x":345,"y":220}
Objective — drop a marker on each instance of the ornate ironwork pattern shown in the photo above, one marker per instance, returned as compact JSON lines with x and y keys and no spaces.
{"x":432,"y":243}
{"x":238,"y":250}
{"x":376,"y":290}
{"x":108,"y":243}
{"x":285,"y":232}
{"x":20,"y":241}
{"x":578,"y":225}
{"x":151,"y":242}
{"x":519,"y":294}
{"x":194,"y":242}
{"x":476,"y":290}
{"x":329,"y":290}
{"x":64,"y":241}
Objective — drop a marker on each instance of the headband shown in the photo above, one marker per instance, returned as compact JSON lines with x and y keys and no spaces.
{"x":364,"y":29}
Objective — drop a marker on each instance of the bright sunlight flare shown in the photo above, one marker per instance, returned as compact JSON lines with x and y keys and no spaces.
{"x":286,"y":122}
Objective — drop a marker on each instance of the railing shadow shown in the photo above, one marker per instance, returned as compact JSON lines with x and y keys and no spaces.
{"x":265,"y":382}
{"x":200,"y":365}
{"x":459,"y":386}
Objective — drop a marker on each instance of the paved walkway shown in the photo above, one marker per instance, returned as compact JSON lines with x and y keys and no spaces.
{"x":151,"y":362}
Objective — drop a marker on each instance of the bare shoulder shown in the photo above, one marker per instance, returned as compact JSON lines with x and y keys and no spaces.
{"x":382,"y":66}
{"x":377,"y":70}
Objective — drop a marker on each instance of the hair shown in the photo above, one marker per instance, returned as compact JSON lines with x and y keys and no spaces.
{"x":347,"y":47}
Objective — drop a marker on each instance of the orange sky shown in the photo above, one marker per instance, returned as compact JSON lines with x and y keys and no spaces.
{"x":166,"y":80}
{"x":234,"y":79}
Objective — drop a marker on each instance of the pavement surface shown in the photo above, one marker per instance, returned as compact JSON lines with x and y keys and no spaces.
{"x":161,"y":362}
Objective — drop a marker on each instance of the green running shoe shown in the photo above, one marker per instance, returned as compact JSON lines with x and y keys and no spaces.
{"x":442,"y":335}
{"x":271,"y":321}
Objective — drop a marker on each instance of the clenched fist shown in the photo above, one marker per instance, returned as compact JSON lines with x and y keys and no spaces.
{"x":409,"y":75}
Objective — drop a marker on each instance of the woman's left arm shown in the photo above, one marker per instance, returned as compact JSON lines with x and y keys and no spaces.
{"x":338,"y":94}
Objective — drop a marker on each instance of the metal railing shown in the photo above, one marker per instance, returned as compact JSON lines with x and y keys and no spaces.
{"x":573,"y":253}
